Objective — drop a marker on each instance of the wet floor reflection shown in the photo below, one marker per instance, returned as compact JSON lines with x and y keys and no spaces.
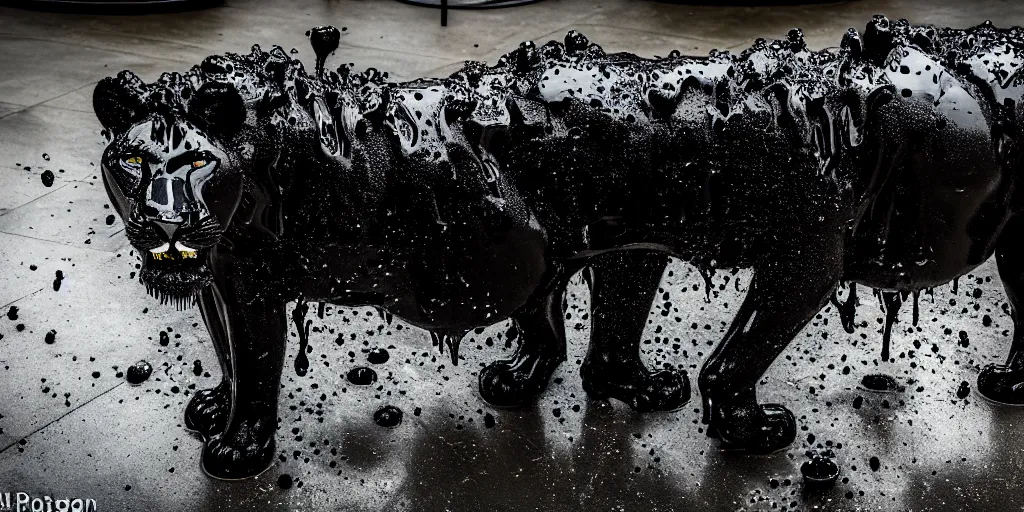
{"x":518,"y":467}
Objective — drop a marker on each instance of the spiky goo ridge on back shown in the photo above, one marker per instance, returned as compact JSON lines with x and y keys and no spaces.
{"x":279,"y":95}
{"x":281,"y":98}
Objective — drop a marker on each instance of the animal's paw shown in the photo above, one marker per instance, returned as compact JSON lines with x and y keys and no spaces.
{"x":1003,"y":384}
{"x":244,"y":451}
{"x":207,"y":412}
{"x":641,"y":389}
{"x":516,"y":382}
{"x":752,"y":427}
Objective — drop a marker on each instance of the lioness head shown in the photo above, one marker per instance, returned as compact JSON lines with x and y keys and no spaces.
{"x":172,"y":173}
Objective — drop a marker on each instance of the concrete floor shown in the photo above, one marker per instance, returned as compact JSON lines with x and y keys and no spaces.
{"x":71,"y":427}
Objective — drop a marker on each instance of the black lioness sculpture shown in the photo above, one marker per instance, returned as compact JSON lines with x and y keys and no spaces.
{"x":453,"y":203}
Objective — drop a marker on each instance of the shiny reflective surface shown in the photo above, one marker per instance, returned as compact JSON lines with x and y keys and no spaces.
{"x":937,"y":451}
{"x":455,"y":203}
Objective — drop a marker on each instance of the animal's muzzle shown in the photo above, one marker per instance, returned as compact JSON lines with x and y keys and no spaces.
{"x":171,"y":215}
{"x":174,"y":247}
{"x":167,"y":229}
{"x":169,"y":223}
{"x":174,"y":234}
{"x":169,"y":197}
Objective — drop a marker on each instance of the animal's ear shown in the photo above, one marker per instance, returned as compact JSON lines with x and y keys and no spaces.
{"x":119,"y":101}
{"x":218,"y":109}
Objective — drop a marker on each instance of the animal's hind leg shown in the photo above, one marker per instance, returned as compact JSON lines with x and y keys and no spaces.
{"x":207,"y":411}
{"x":623,"y":285}
{"x":1005,"y":382}
{"x":519,"y":380}
{"x":784,"y":295}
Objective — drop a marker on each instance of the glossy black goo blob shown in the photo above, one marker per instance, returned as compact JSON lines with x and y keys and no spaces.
{"x":892,"y":162}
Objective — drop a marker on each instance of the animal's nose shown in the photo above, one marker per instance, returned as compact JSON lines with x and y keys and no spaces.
{"x":168,"y":229}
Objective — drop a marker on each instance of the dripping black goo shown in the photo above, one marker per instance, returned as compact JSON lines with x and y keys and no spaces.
{"x":454,"y":203}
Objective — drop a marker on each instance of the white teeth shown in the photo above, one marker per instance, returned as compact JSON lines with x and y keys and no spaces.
{"x":184,"y":248}
{"x":163,"y":248}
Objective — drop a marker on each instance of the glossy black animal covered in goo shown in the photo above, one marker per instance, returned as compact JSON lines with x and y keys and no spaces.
{"x":891,"y":162}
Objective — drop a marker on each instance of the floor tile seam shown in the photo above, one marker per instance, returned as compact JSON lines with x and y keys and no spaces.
{"x":19,"y":108}
{"x":55,"y":241}
{"x":61,"y":417}
{"x":97,"y":48}
{"x":55,"y":98}
{"x":30,"y":201}
{"x":701,"y":39}
{"x":401,"y":52}
{"x":27,"y":295}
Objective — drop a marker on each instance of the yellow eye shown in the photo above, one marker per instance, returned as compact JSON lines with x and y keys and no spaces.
{"x":135,"y":160}
{"x":199,"y":163}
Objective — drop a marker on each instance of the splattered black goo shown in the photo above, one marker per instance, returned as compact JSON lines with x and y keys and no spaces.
{"x":388,"y":416}
{"x":284,"y":481}
{"x":963,"y":390}
{"x":138,"y":373}
{"x":362,"y":376}
{"x":820,"y":471}
{"x":378,"y":356}
{"x":879,"y":382}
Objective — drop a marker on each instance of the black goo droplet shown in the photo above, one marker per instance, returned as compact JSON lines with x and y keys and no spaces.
{"x":819,"y":471}
{"x":378,"y":356}
{"x":362,"y":376}
{"x":879,"y":382}
{"x":12,"y":313}
{"x":284,"y":481}
{"x":164,"y":339}
{"x":51,"y":337}
{"x":56,"y":281}
{"x":197,"y":368}
{"x":874,"y":463}
{"x":324,"y":40}
{"x":963,"y":390}
{"x":857,"y":402}
{"x":138,"y":373}
{"x":111,"y":219}
{"x":47,"y":178}
{"x":489,"y":420}
{"x":388,"y":416}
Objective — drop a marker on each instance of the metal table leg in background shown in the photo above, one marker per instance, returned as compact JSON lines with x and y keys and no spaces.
{"x":469,"y":4}
{"x":444,"y":5}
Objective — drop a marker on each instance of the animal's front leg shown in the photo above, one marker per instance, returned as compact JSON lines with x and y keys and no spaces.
{"x":256,"y":334}
{"x":1005,"y":382}
{"x":208,"y":410}
{"x":623,"y":285}
{"x":786,"y":292}
{"x":521,"y":379}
